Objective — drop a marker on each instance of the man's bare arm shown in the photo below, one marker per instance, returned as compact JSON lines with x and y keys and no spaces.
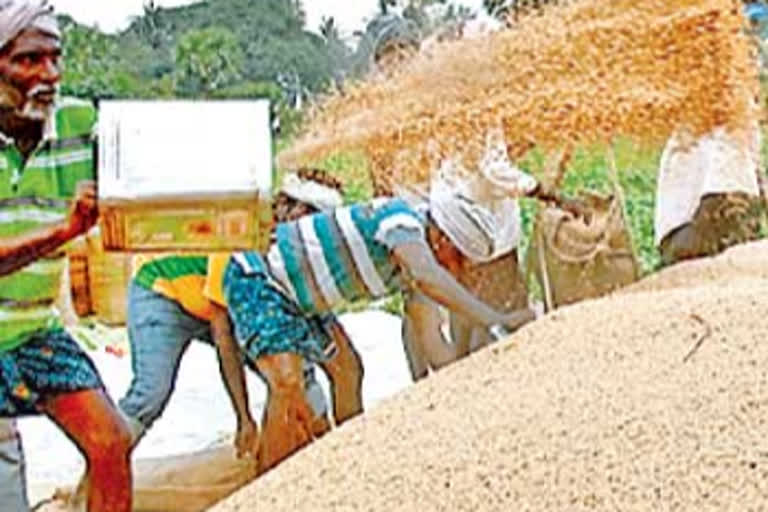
{"x":18,"y":252}
{"x":422,"y":329}
{"x":417,"y":260}
{"x":233,"y":375}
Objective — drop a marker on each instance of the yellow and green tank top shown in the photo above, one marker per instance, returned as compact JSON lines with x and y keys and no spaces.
{"x":191,"y":280}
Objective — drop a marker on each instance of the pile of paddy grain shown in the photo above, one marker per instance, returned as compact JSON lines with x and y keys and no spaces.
{"x":653,"y":400}
{"x":742,"y":262}
{"x":581,"y":73}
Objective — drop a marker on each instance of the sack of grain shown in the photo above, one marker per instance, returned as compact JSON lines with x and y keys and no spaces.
{"x":578,"y":257}
{"x":189,"y":482}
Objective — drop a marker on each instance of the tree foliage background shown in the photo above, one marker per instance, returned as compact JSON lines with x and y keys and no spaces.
{"x":263,"y":48}
{"x":231,"y":48}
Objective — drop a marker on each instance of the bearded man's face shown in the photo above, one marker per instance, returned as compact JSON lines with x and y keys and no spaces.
{"x":30,"y":73}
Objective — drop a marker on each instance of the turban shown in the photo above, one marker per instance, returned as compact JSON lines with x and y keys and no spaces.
{"x":19,"y":15}
{"x":308,"y":191}
{"x":479,"y":212}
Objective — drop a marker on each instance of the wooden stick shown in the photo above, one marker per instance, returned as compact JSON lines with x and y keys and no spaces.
{"x":613,"y":174}
{"x":701,"y":339}
{"x":548,"y":302}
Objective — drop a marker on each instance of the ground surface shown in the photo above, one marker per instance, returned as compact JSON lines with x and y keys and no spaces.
{"x":52,"y":460}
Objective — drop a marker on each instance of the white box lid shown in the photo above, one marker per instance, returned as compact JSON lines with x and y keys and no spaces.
{"x":183,"y":148}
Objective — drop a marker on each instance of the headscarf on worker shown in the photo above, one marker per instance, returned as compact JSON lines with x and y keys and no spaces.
{"x":479,"y":212}
{"x":19,"y":15}
{"x":308,"y":191}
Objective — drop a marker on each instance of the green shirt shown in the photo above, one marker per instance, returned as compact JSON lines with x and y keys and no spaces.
{"x":33,"y":194}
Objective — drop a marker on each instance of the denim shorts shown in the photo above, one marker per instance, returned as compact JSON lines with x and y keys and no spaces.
{"x":159,"y":332}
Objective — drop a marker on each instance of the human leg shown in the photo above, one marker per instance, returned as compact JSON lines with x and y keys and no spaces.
{"x":679,"y":245}
{"x":424,"y":321}
{"x":51,"y":374}
{"x":727,"y":219}
{"x":288,"y":417}
{"x":13,"y":489}
{"x":410,"y":333}
{"x":159,"y":332}
{"x":721,"y":221}
{"x":277,"y":337}
{"x":345,"y":371}
{"x":93,"y":423}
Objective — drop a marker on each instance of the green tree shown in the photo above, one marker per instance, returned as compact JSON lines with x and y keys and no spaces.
{"x":340,"y":54}
{"x":435,"y":15}
{"x":152,"y":27}
{"x":162,"y":52}
{"x":207,"y":60}
{"x":92,"y":64}
{"x":419,"y":20}
{"x":299,"y":12}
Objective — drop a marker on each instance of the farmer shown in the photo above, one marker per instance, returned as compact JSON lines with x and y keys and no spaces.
{"x":318,"y":263}
{"x":46,"y":201}
{"x":167,"y":308}
{"x":708,"y":197}
{"x":395,"y":40}
{"x":485,"y":262}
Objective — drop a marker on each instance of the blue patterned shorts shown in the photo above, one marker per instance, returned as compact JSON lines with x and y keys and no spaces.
{"x":49,"y":363}
{"x":267,"y":322}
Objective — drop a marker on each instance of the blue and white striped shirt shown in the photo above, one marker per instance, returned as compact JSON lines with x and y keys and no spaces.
{"x":331,"y":258}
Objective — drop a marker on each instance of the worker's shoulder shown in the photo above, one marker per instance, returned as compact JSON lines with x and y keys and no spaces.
{"x":74,"y":116}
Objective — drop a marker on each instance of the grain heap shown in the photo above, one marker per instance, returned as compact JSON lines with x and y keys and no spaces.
{"x":739,"y":262}
{"x":581,"y":73}
{"x":641,"y":401}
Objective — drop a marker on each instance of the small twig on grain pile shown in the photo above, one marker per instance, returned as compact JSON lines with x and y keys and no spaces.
{"x":41,"y":504}
{"x":701,"y":339}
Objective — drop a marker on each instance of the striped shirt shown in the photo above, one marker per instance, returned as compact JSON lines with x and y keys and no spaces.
{"x":33,"y":194}
{"x":327,"y":259}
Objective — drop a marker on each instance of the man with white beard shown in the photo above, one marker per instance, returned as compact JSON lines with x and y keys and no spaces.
{"x":47,"y":198}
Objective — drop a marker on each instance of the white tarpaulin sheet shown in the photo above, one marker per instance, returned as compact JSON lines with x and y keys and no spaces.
{"x":160,"y":148}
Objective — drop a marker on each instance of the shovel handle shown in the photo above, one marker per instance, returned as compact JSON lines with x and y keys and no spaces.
{"x":573,"y":206}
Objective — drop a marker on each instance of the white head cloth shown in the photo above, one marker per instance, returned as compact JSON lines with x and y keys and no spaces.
{"x":479,"y":213}
{"x":19,"y":15}
{"x":308,"y":191}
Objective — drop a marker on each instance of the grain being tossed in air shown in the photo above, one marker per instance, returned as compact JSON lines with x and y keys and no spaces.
{"x":584,"y":72}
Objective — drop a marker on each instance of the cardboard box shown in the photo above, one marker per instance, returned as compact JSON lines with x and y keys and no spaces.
{"x":184,"y":175}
